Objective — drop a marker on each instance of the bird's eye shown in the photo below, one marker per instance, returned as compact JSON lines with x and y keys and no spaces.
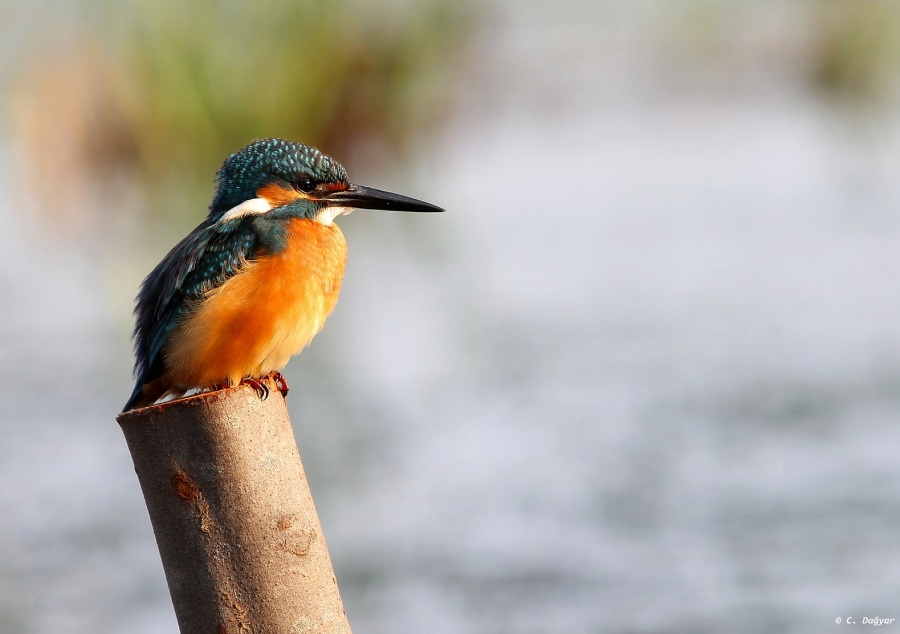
{"x":306,"y":185}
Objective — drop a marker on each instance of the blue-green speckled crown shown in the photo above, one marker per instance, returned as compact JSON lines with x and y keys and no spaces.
{"x":265,"y":161}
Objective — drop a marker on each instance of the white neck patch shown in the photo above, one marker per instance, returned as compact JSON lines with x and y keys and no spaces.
{"x":327,"y":215}
{"x":252,"y":207}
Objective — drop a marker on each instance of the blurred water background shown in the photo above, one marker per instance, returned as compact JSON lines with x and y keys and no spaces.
{"x":643,"y":375}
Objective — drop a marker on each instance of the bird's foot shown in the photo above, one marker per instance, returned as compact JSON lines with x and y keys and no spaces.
{"x":280,"y":382}
{"x":259,"y":386}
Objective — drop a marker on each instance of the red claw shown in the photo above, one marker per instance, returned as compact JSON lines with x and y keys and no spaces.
{"x":259,"y":386}
{"x":280,"y":382}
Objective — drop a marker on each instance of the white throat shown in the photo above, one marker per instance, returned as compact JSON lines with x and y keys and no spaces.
{"x":327,"y":215}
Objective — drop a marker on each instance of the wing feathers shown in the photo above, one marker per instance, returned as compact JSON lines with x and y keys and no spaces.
{"x":203,"y":260}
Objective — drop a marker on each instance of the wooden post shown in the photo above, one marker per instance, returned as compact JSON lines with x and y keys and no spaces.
{"x":234,"y":519}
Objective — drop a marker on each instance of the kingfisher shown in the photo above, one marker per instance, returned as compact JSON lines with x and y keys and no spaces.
{"x":253,"y":284}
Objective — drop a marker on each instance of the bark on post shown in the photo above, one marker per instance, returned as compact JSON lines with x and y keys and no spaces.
{"x":234,"y":519}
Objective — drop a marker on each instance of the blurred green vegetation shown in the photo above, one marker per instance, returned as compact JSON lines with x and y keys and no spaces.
{"x":858,"y":53}
{"x":145,"y":99}
{"x":844,"y":51}
{"x":140,"y":102}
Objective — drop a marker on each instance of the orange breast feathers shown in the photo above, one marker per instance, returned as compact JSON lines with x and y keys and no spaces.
{"x":257,"y":320}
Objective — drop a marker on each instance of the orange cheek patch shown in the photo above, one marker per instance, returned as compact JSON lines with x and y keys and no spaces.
{"x":278,"y":196}
{"x":334,"y":187}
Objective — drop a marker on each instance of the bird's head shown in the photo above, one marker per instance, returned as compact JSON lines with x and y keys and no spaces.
{"x":287,"y":179}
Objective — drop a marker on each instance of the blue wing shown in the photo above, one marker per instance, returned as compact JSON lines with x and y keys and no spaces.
{"x":203,"y":260}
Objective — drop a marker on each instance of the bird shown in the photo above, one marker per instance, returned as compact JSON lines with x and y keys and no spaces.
{"x":253,"y":284}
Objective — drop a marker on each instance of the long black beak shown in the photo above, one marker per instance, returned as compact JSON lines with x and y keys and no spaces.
{"x":362,"y":197}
